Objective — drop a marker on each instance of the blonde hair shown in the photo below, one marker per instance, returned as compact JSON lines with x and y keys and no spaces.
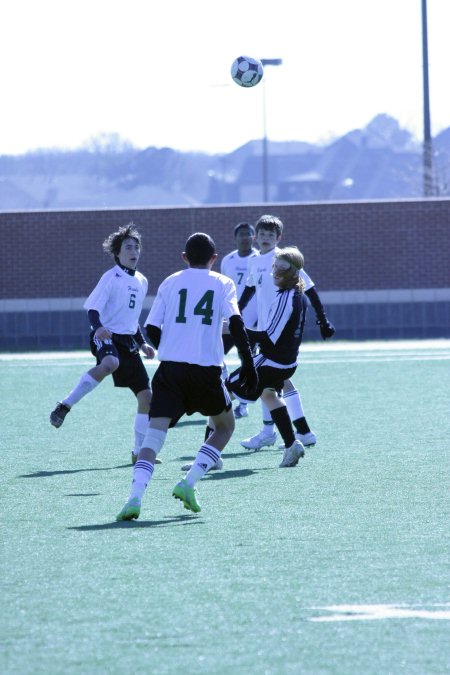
{"x":296,"y":261}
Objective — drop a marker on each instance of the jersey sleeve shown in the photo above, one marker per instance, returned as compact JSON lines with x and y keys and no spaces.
{"x":309,"y":283}
{"x":100,"y":295}
{"x":250,"y":274}
{"x":279,"y":314}
{"x":158,"y":309}
{"x":230,"y":301}
{"x":223,"y":266}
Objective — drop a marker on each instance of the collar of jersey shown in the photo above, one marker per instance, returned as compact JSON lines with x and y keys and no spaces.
{"x":128,"y":270}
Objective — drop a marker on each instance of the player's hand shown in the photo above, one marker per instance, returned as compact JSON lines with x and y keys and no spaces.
{"x":327,"y":330}
{"x":248,"y":377}
{"x":148,"y":351}
{"x":102,"y":333}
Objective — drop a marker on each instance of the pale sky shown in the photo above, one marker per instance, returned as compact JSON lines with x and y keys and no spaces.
{"x":157,"y":72}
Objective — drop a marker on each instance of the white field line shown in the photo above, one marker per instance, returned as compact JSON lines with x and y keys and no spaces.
{"x":376,"y":612}
{"x":310,"y":354}
{"x":309,"y":347}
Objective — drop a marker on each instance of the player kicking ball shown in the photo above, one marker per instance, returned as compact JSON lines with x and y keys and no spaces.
{"x":279,"y":343}
{"x":185,"y":326}
{"x":116,"y":339}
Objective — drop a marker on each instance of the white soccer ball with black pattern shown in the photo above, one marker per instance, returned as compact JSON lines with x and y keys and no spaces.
{"x":246,"y":71}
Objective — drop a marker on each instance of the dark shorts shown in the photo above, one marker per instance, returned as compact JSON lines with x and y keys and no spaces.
{"x":268,"y":378}
{"x":131,"y":372}
{"x":184,"y":388}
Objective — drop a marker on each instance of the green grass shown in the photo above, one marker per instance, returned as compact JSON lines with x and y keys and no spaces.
{"x":244,"y":586}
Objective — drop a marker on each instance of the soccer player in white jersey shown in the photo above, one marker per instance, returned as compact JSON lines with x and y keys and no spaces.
{"x":269,"y":230}
{"x":114,"y":308}
{"x":279,"y":340}
{"x":185,"y":326}
{"x":235,"y":266}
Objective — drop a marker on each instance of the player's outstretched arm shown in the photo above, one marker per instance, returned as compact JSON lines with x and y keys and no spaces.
{"x":146,"y":349}
{"x":153,"y":334}
{"x":248,"y":377}
{"x":247,"y":295}
{"x":101,"y":332}
{"x":327,"y":330}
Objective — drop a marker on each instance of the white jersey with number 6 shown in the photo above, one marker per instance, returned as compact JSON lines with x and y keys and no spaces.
{"x":118,"y":298}
{"x":189,"y":308}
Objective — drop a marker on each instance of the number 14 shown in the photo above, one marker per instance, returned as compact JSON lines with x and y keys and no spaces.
{"x":202,"y":308}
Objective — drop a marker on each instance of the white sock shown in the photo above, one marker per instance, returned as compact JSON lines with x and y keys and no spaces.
{"x":268,"y":424}
{"x":207,"y":456}
{"x":84,"y":386}
{"x":294,"y":404}
{"x":142,"y":473}
{"x":140,"y":427}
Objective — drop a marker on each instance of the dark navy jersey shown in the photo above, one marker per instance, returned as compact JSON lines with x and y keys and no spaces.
{"x":280,"y":341}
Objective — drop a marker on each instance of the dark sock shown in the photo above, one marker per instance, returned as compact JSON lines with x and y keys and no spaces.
{"x":283,"y":422}
{"x":301,"y":426}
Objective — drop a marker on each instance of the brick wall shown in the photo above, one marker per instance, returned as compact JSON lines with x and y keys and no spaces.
{"x":347,"y":245}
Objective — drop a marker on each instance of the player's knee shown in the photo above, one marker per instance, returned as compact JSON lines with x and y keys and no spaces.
{"x":144,"y":398}
{"x":109,"y":364}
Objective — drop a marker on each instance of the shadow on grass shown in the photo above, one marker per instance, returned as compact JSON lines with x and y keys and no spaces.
{"x":224,"y":455}
{"x":222,"y":475}
{"x":169,"y":520}
{"x":83,"y":494}
{"x":46,"y":474}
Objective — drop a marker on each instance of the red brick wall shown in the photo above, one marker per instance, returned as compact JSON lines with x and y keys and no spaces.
{"x":347,"y":245}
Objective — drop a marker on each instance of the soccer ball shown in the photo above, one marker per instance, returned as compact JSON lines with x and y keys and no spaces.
{"x":246,"y":71}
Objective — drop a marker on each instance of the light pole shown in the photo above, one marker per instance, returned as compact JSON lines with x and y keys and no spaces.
{"x":265,"y":154}
{"x":427,"y":145}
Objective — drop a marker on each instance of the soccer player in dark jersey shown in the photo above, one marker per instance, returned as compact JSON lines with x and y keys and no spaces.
{"x":114,"y":308}
{"x":269,"y":231}
{"x":279,"y":337}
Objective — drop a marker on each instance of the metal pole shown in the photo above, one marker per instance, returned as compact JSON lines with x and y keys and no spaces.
{"x":265,"y":142}
{"x":427,"y":143}
{"x":264,"y":149}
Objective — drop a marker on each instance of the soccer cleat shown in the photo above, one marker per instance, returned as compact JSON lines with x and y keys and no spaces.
{"x":306,"y":440}
{"x":187,"y":495}
{"x":259,"y":441}
{"x":135,"y":457}
{"x":292,"y":455}
{"x":216,"y":467}
{"x":58,"y":415}
{"x":240,"y":411}
{"x":131,"y":510}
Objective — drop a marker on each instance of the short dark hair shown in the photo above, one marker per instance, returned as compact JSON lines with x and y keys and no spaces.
{"x":114,"y":241}
{"x":244,"y":226}
{"x":199,"y":249}
{"x":271,"y":223}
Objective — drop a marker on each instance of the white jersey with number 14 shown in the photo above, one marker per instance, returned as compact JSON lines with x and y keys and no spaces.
{"x":190,"y":307}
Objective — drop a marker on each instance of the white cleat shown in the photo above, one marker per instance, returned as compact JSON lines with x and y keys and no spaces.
{"x":216,"y":467}
{"x":259,"y":441}
{"x":305,"y":439}
{"x":292,"y":455}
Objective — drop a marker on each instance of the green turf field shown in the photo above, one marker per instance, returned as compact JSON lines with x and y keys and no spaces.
{"x":340,"y":565}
